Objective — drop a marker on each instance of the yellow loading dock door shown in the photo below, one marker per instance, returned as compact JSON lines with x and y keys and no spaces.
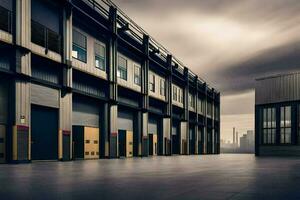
{"x":86,"y":123}
{"x":86,"y":142}
{"x":126,"y":143}
{"x":152,"y":144}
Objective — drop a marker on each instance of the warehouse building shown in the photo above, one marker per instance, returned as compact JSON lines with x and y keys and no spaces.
{"x":80,"y":80}
{"x":277,"y":115}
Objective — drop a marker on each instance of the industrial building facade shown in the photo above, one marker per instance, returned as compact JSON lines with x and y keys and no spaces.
{"x":80,"y":80}
{"x":277,"y":115}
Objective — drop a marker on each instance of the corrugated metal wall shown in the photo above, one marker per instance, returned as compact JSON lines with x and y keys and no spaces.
{"x":44,"y":96}
{"x":278,"y":89}
{"x":125,"y":121}
{"x":85,"y":113}
{"x":46,"y":73}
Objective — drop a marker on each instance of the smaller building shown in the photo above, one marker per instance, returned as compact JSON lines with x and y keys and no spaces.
{"x":277,"y":115}
{"x":247,"y":142}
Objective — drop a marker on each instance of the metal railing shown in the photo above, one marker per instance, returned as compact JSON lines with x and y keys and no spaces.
{"x":45,"y":37}
{"x":102,"y":7}
{"x":5,"y":20}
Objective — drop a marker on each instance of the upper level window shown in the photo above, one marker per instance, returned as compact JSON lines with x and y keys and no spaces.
{"x":285,"y":125}
{"x":209,"y":109}
{"x":79,"y":46}
{"x":174,"y":93}
{"x":137,"y":75}
{"x":162,"y":87}
{"x":152,"y":83}
{"x":269,"y":126}
{"x":6,"y":16}
{"x":191,"y":101}
{"x":122,"y":68}
{"x":45,"y":25}
{"x":99,"y":56}
{"x":201,"y":106}
{"x":180,"y":95}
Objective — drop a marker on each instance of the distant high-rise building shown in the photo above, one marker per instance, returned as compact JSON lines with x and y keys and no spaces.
{"x":237,"y":139}
{"x":247,"y":142}
{"x":233,"y":136}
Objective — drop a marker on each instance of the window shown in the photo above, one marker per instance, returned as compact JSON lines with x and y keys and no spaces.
{"x":180,"y":95}
{"x":99,"y":56}
{"x":174,"y":93}
{"x":79,"y":46}
{"x":200,"y":105}
{"x":137,"y":75}
{"x":162,"y":87}
{"x":209,"y":109}
{"x":285,"y":125}
{"x":122,"y":68}
{"x":152,"y":83}
{"x":269,"y":126}
{"x":191,"y":101}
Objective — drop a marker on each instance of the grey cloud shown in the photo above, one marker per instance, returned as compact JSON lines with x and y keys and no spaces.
{"x":241,"y":76}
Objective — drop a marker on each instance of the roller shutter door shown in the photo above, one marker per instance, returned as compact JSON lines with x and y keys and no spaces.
{"x":85,"y":112}
{"x":44,"y":96}
{"x":125,"y":121}
{"x":152,"y":126}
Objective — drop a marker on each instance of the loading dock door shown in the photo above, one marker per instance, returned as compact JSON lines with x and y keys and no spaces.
{"x":192,"y":140}
{"x":125,"y":143}
{"x":152,"y":144}
{"x":86,"y":142}
{"x":91,"y":146}
{"x":2,"y":143}
{"x":44,"y":133}
{"x":175,"y":140}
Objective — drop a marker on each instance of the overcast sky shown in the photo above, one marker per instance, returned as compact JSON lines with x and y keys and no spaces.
{"x":228,"y":43}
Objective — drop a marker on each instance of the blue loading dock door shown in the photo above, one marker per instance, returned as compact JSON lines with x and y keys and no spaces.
{"x":44,"y":133}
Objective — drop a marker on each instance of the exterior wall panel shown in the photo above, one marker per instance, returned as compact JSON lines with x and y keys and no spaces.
{"x":278,"y":89}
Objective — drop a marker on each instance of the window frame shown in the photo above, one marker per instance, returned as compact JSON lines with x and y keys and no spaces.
{"x":139,"y":76}
{"x":152,"y":83}
{"x":175,"y":93}
{"x":285,"y":124}
{"x":84,"y":49}
{"x":162,"y":87}
{"x":122,"y":69}
{"x":269,"y":126}
{"x":99,"y":56}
